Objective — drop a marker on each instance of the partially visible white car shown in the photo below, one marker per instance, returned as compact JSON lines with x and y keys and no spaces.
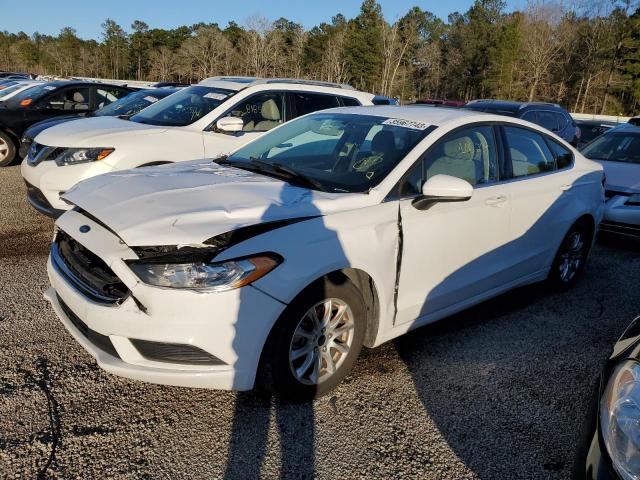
{"x":341,"y":228}
{"x":618,"y":150}
{"x":206,"y":120}
{"x":21,"y":86}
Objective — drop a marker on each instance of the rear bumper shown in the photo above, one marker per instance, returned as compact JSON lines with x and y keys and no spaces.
{"x":37,"y":200}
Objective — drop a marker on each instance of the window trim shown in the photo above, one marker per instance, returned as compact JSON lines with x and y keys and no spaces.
{"x":42,"y":103}
{"x":546,"y":138}
{"x":285,"y":103}
{"x":394,"y":193}
{"x":294,"y":108}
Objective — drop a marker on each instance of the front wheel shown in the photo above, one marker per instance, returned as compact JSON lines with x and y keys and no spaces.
{"x":7,"y":150}
{"x":570,"y":258}
{"x":315,"y":342}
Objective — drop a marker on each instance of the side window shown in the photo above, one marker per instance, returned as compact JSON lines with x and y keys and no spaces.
{"x":260,"y":112}
{"x":105,"y":96}
{"x":350,"y":102}
{"x":530,"y":116}
{"x":76,"y":99}
{"x":469,"y":154}
{"x":312,"y":102}
{"x":564,"y":157}
{"x":548,"y":120}
{"x":529,"y":152}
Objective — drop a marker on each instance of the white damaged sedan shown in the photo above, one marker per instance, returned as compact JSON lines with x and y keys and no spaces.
{"x":343,"y":228}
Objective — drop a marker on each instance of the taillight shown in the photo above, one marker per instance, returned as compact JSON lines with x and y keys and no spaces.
{"x":26,"y":102}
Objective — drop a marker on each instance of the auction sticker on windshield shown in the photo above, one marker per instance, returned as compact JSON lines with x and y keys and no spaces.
{"x":398,"y":122}
{"x":215,"y":96}
{"x":151,"y":99}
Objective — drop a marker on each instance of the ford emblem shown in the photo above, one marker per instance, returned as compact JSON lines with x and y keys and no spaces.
{"x":85,"y":228}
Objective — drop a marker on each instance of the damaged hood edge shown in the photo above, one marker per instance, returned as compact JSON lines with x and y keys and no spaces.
{"x":188,"y":203}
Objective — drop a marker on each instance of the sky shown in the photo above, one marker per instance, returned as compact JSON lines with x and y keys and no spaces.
{"x":49,"y":17}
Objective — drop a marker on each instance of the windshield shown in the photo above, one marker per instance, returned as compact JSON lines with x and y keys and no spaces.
{"x":132,"y":103}
{"x":615,"y":147}
{"x":11,"y":89}
{"x":36,"y":92}
{"x":337,"y":152}
{"x":184,"y":107}
{"x":590,"y":131}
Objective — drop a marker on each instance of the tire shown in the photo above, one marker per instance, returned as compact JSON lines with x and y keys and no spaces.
{"x":7,"y":150}
{"x":571,"y":257}
{"x":282,"y":366}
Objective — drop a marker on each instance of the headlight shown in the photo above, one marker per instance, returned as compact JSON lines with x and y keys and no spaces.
{"x":620,"y":419}
{"x":216,"y":277}
{"x":72,"y":156}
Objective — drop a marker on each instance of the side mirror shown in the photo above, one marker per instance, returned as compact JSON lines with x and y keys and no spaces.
{"x":230,"y":124}
{"x":443,"y":188}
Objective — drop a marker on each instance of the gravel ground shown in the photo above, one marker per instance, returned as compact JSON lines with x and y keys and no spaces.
{"x":498,"y":391}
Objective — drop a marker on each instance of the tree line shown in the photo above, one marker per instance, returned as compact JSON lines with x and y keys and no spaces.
{"x":585,"y":57}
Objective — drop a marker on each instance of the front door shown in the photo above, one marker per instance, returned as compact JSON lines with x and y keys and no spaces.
{"x":260,"y":113}
{"x":453,"y":252}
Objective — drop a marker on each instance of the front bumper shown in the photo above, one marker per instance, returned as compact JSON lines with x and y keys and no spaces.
{"x":231,"y":326}
{"x":620,"y":218}
{"x":38,"y":201}
{"x":51,"y":180}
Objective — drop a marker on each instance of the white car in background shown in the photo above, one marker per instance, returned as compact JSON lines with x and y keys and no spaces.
{"x":618,"y":150}
{"x":21,"y":86}
{"x":206,"y":120}
{"x":342,"y":228}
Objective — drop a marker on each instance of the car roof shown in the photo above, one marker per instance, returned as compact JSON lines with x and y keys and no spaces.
{"x":430,"y":115}
{"x":510,"y":105}
{"x":239,"y":83}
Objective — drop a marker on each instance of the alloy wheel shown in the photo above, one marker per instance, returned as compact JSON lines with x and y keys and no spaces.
{"x":571,"y":257}
{"x":4,"y":150}
{"x":321,"y":341}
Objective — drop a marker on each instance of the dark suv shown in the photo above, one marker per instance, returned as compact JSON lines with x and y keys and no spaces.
{"x":548,"y":115}
{"x":46,"y":101}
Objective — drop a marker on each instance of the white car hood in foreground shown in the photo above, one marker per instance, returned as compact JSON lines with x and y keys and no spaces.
{"x":622,"y":176}
{"x":94,"y":132}
{"x":188,"y":203}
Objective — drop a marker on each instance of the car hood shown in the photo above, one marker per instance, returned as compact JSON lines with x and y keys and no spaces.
{"x":36,"y":128}
{"x":622,"y":176}
{"x":94,"y":132}
{"x":188,"y":203}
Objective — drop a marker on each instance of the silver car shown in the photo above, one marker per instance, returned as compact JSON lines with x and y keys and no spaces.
{"x":618,"y":150}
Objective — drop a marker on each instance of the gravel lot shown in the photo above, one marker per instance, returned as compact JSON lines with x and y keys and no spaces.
{"x":498,"y":391}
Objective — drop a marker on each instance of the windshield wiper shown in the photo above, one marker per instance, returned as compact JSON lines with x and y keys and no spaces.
{"x":288,"y":173}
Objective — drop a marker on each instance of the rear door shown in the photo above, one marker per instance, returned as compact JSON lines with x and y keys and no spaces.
{"x":541,"y":198}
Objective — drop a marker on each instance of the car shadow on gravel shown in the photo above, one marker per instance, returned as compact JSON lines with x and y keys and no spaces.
{"x":253,"y":412}
{"x":508,"y":382}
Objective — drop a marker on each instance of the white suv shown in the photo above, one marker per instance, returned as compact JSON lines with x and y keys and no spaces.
{"x":341,"y":228}
{"x":206,"y":120}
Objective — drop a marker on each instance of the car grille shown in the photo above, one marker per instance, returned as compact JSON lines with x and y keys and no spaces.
{"x":86,"y":271}
{"x":103,"y":342}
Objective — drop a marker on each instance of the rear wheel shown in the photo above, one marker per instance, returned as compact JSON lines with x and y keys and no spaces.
{"x":571,"y":257}
{"x":315,"y":342}
{"x":7,"y":150}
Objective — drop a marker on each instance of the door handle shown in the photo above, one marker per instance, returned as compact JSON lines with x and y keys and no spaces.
{"x":497,"y":200}
{"x":566,"y":186}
